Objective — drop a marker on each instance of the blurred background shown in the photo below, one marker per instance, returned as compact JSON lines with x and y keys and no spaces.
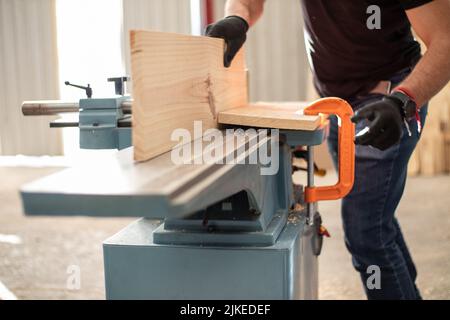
{"x":46,"y":42}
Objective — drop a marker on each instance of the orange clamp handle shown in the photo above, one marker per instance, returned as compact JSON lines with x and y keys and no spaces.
{"x":346,"y":156}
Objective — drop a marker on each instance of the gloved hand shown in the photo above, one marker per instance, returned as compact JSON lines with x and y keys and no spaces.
{"x":385,"y":123}
{"x":233,"y":30}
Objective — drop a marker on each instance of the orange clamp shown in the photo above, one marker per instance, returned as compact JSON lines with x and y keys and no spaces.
{"x":346,"y":157}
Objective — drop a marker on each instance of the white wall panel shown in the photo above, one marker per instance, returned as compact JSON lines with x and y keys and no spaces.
{"x":28,"y":71}
{"x":276,"y":55}
{"x":159,"y":15}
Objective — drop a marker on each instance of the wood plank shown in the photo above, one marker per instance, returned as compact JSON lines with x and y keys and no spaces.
{"x":442,"y":103}
{"x":447,"y":151}
{"x":432,"y":144}
{"x":287,"y":115}
{"x":179,"y":79}
{"x":432,"y":155}
{"x":414,"y":163}
{"x":428,"y":153}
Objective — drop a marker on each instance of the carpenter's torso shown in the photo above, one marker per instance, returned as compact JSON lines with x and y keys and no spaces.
{"x":352,"y":46}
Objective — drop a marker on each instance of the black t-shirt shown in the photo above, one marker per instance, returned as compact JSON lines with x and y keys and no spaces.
{"x":348,"y":59}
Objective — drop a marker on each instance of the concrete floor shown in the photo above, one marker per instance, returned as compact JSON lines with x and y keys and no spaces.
{"x":37,"y":267}
{"x":424,"y":216}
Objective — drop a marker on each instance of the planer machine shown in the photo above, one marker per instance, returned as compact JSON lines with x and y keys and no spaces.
{"x":205,"y":231}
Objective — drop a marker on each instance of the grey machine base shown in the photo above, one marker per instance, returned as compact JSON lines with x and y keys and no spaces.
{"x":137,"y":268}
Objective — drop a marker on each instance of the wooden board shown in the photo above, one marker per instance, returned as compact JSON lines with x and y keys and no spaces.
{"x":432,"y":154}
{"x":179,"y":79}
{"x":287,"y":115}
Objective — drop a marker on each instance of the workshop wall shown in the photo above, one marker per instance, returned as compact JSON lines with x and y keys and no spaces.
{"x":28,"y":69}
{"x":275,"y":49}
{"x":276,"y":56}
{"x":159,"y":15}
{"x":432,"y":154}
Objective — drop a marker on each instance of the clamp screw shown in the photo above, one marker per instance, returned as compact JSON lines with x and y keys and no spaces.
{"x":87,"y":89}
{"x":119,"y":84}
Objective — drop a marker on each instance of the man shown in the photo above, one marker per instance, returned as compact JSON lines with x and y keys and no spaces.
{"x":361,"y":61}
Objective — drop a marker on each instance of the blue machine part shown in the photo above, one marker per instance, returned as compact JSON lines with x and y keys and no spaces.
{"x":157,"y":188}
{"x":267,"y":253}
{"x":261,"y":226}
{"x":304,"y":137}
{"x":137,"y":268}
{"x":98,"y":123}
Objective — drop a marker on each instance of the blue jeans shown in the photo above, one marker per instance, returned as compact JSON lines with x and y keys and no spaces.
{"x":372,"y":232}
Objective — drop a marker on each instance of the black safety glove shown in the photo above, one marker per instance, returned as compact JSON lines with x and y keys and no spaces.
{"x":233,"y":30}
{"x":385,"y":126}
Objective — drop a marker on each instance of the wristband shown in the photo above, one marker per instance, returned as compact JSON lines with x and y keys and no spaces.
{"x":413,"y":99}
{"x":407,"y":92}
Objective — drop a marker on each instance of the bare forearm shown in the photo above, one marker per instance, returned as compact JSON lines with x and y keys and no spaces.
{"x":250,"y":10}
{"x":432,"y":72}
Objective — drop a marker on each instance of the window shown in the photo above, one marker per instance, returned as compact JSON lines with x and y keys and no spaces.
{"x":89,"y":47}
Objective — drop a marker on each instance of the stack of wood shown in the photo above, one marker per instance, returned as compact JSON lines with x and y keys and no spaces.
{"x":432,"y":155}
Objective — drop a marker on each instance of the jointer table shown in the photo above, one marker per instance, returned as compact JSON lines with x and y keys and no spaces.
{"x":206,"y":231}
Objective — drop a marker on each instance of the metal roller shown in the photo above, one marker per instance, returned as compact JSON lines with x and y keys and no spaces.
{"x":50,"y":108}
